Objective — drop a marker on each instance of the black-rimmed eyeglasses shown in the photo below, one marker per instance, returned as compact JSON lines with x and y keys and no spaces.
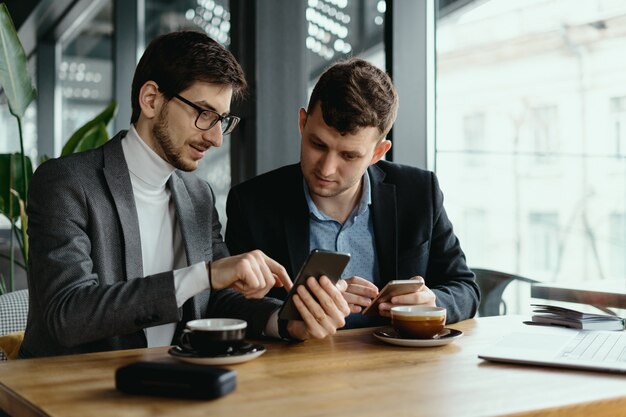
{"x":208,"y":118}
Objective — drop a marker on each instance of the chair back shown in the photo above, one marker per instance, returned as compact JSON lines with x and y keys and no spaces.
{"x":492,"y":285}
{"x":13,"y":313}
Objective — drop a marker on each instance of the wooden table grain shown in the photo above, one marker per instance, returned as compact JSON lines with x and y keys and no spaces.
{"x":351,"y":374}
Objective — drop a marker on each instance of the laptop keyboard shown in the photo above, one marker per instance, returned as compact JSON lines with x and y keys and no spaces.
{"x":598,"y":347}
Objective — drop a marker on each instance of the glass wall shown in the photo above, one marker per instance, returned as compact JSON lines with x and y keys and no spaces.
{"x":342,"y":28}
{"x":531,"y":136}
{"x":212,"y":17}
{"x":85,"y":73}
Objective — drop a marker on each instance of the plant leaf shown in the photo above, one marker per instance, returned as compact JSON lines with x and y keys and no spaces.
{"x":103,"y":118}
{"x":11,"y":177}
{"x":24,"y":228}
{"x":91,"y":138}
{"x":14,"y":77}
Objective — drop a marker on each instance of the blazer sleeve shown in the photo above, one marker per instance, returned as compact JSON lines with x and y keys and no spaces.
{"x":77,"y":305}
{"x":448,"y":275}
{"x":238,"y":232}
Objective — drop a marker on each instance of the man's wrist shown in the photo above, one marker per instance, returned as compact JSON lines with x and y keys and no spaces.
{"x":283,"y":332}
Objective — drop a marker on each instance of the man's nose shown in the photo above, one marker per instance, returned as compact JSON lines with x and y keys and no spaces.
{"x":328,"y":165}
{"x":214,"y":135}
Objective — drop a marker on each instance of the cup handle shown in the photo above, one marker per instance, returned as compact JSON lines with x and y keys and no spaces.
{"x":184,"y":339}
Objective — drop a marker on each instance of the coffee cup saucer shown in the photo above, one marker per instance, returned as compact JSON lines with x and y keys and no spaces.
{"x":388,"y":334}
{"x":244,"y":353}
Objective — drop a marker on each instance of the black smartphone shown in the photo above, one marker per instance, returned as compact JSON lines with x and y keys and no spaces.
{"x":318,"y":263}
{"x":393,"y":288}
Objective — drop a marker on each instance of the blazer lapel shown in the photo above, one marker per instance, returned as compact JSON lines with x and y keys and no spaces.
{"x":194,"y":240}
{"x":296,"y":222}
{"x":384,"y":212}
{"x":118,"y":180}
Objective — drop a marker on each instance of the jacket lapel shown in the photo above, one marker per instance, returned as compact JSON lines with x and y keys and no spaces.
{"x":296,"y":222}
{"x":384,"y":212}
{"x":193,"y":239}
{"x":118,"y":180}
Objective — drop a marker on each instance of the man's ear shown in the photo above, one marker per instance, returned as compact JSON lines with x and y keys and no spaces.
{"x":302,"y":119}
{"x":150,"y":100}
{"x":381,"y":149}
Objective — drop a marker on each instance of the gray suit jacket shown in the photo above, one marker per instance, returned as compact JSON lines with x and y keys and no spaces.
{"x":85,"y":258}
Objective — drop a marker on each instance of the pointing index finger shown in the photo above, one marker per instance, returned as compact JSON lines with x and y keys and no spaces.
{"x":280,"y":273}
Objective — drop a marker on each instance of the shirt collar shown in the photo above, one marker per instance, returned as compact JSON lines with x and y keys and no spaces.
{"x":364,"y":202}
{"x":143,"y":162}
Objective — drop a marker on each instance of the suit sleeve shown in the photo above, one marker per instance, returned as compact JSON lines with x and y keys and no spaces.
{"x":448,"y":274}
{"x":238,"y":232}
{"x":76,"y":304}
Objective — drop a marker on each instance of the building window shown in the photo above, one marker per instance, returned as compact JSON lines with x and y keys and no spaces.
{"x":474,"y":137}
{"x":544,"y":241}
{"x":617,"y":240}
{"x":544,"y":133}
{"x":476,"y":234}
{"x":618,"y":124}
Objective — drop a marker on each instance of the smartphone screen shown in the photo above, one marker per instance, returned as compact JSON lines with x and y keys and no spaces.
{"x":393,"y":288}
{"x":318,"y":263}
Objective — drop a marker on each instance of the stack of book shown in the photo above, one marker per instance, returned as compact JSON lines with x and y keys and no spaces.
{"x":564,"y":317}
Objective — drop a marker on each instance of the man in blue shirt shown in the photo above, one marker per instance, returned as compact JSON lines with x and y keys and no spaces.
{"x":343,"y":196}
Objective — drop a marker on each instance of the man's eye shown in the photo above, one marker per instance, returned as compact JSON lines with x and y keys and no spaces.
{"x":207,"y":116}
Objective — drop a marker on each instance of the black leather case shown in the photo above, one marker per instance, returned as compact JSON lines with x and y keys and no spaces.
{"x":181,"y":380}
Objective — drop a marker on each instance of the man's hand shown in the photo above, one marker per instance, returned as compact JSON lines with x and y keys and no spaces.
{"x":320,"y":318}
{"x":253,"y":274}
{"x":359,"y":294}
{"x":422,"y":296}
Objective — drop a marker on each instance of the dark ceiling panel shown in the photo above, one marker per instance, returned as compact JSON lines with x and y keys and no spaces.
{"x":20,"y":10}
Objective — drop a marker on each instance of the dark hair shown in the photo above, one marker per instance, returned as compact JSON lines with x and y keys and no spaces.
{"x":355,"y":94}
{"x":177,"y":60}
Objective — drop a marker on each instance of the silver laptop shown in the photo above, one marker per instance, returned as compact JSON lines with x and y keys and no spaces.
{"x":567,"y":348}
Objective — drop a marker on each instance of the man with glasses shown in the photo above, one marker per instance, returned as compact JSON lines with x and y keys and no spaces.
{"x":125,"y":243}
{"x":344,"y":196}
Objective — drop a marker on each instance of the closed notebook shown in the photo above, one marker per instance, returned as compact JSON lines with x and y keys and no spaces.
{"x":560,"y":316}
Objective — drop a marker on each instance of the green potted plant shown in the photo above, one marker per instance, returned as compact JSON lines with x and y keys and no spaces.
{"x":16,"y":169}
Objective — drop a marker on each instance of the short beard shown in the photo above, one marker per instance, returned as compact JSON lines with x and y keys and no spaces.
{"x":165,"y":144}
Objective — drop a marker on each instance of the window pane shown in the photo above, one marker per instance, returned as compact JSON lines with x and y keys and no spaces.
{"x":343,"y":28}
{"x":85,"y":75}
{"x":531,"y":134}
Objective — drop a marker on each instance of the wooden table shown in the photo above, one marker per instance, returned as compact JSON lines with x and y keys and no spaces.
{"x":349,"y":374}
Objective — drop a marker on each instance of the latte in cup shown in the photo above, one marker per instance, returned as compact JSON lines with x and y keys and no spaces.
{"x":418,"y":321}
